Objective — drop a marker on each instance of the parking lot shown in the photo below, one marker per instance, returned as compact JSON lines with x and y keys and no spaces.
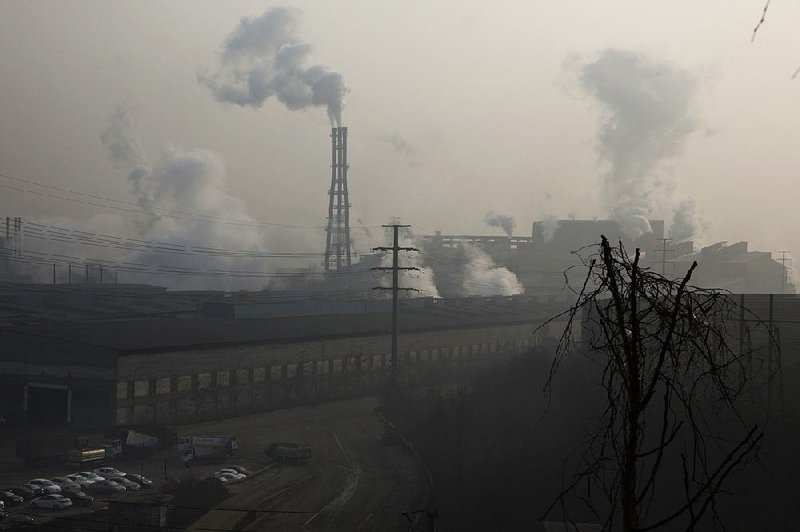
{"x":351,"y":470}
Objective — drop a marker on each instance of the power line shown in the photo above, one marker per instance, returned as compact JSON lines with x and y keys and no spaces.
{"x":82,"y":198}
{"x":66,"y":235}
{"x":34,"y":257}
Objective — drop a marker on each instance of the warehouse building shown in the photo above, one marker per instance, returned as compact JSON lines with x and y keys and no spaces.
{"x":176,"y":370}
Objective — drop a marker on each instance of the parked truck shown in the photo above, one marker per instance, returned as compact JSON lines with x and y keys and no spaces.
{"x":206,"y":448}
{"x":286,"y":452}
{"x":227,"y":442}
{"x":201,"y":453}
{"x":136,"y":443}
{"x":86,"y":456}
{"x":139,"y":439}
{"x":44,"y":450}
{"x":113,"y":448}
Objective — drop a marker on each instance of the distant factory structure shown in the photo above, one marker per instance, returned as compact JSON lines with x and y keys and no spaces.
{"x":549,"y":261}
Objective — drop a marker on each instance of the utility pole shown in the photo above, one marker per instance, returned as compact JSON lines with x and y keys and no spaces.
{"x":395,"y":288}
{"x":783,"y":260}
{"x":101,"y":274}
{"x":69,"y":273}
{"x":87,"y":273}
{"x":54,"y":273}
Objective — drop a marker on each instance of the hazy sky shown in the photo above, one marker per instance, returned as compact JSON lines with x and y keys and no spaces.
{"x":455,"y":109}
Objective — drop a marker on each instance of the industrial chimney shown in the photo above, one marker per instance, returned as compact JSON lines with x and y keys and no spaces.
{"x":337,"y":240}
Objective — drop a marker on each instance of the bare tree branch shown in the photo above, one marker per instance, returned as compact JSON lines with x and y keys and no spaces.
{"x":760,"y":22}
{"x":670,"y":376}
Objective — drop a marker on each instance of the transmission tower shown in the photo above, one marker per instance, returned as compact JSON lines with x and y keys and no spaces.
{"x":395,"y":268}
{"x":337,"y":239}
{"x":786,"y":269}
{"x":664,"y":260}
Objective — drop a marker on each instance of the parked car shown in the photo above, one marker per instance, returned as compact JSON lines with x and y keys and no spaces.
{"x":15,"y":522}
{"x":77,"y":497}
{"x":10,"y":498}
{"x":108,"y":487}
{"x":64,"y":482}
{"x":108,"y":471}
{"x":130,"y":485}
{"x":80,"y":480}
{"x":240,"y":469}
{"x":144,"y":482}
{"x":233,"y":472}
{"x":53,"y":502}
{"x":227,"y":478}
{"x":38,"y":490}
{"x":27,"y":493}
{"x":48,"y":486}
{"x":91,"y":475}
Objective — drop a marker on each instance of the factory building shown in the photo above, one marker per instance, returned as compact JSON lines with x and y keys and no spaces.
{"x":548,"y":262}
{"x":176,"y":370}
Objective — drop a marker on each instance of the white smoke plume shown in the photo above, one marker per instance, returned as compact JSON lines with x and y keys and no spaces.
{"x":399,"y":144}
{"x":504,"y":221}
{"x":483,"y":278}
{"x":686,"y":222}
{"x":648,"y":117}
{"x":264,"y":57}
{"x":550,"y":225}
{"x":183,"y":204}
{"x":121,"y":147}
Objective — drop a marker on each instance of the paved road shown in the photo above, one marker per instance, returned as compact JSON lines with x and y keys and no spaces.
{"x":354,"y":482}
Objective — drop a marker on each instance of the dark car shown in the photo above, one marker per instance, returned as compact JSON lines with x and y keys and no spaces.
{"x":107,"y":487}
{"x":39,"y":490}
{"x":10,"y":498}
{"x":25,"y":492}
{"x":15,"y":522}
{"x":77,"y":497}
{"x":144,"y":482}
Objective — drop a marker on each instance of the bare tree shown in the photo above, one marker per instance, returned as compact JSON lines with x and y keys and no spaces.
{"x":673,"y":429}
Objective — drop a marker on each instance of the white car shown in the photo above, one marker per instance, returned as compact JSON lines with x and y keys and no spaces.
{"x":91,"y":475}
{"x":81,"y":480}
{"x":227,"y":478}
{"x":109,"y":471}
{"x":66,"y":483}
{"x":54,"y":502}
{"x":233,"y":472}
{"x":48,"y":486}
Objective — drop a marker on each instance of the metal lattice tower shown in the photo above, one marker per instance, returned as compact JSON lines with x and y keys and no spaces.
{"x":337,"y":240}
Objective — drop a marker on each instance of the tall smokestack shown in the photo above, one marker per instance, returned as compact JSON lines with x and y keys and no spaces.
{"x":337,"y":240}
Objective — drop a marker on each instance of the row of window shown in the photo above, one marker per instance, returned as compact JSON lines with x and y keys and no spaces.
{"x":184,"y":383}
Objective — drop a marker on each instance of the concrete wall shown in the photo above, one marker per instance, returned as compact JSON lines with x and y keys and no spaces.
{"x":187,"y":385}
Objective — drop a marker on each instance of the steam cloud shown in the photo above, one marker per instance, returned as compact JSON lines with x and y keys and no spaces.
{"x":550,"y":225}
{"x":264,"y":57}
{"x":187,"y":182}
{"x":504,"y":221}
{"x":685,"y":221}
{"x":483,"y":278}
{"x":648,"y":108}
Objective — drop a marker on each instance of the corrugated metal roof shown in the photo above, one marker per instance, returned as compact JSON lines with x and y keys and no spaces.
{"x":171,"y":333}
